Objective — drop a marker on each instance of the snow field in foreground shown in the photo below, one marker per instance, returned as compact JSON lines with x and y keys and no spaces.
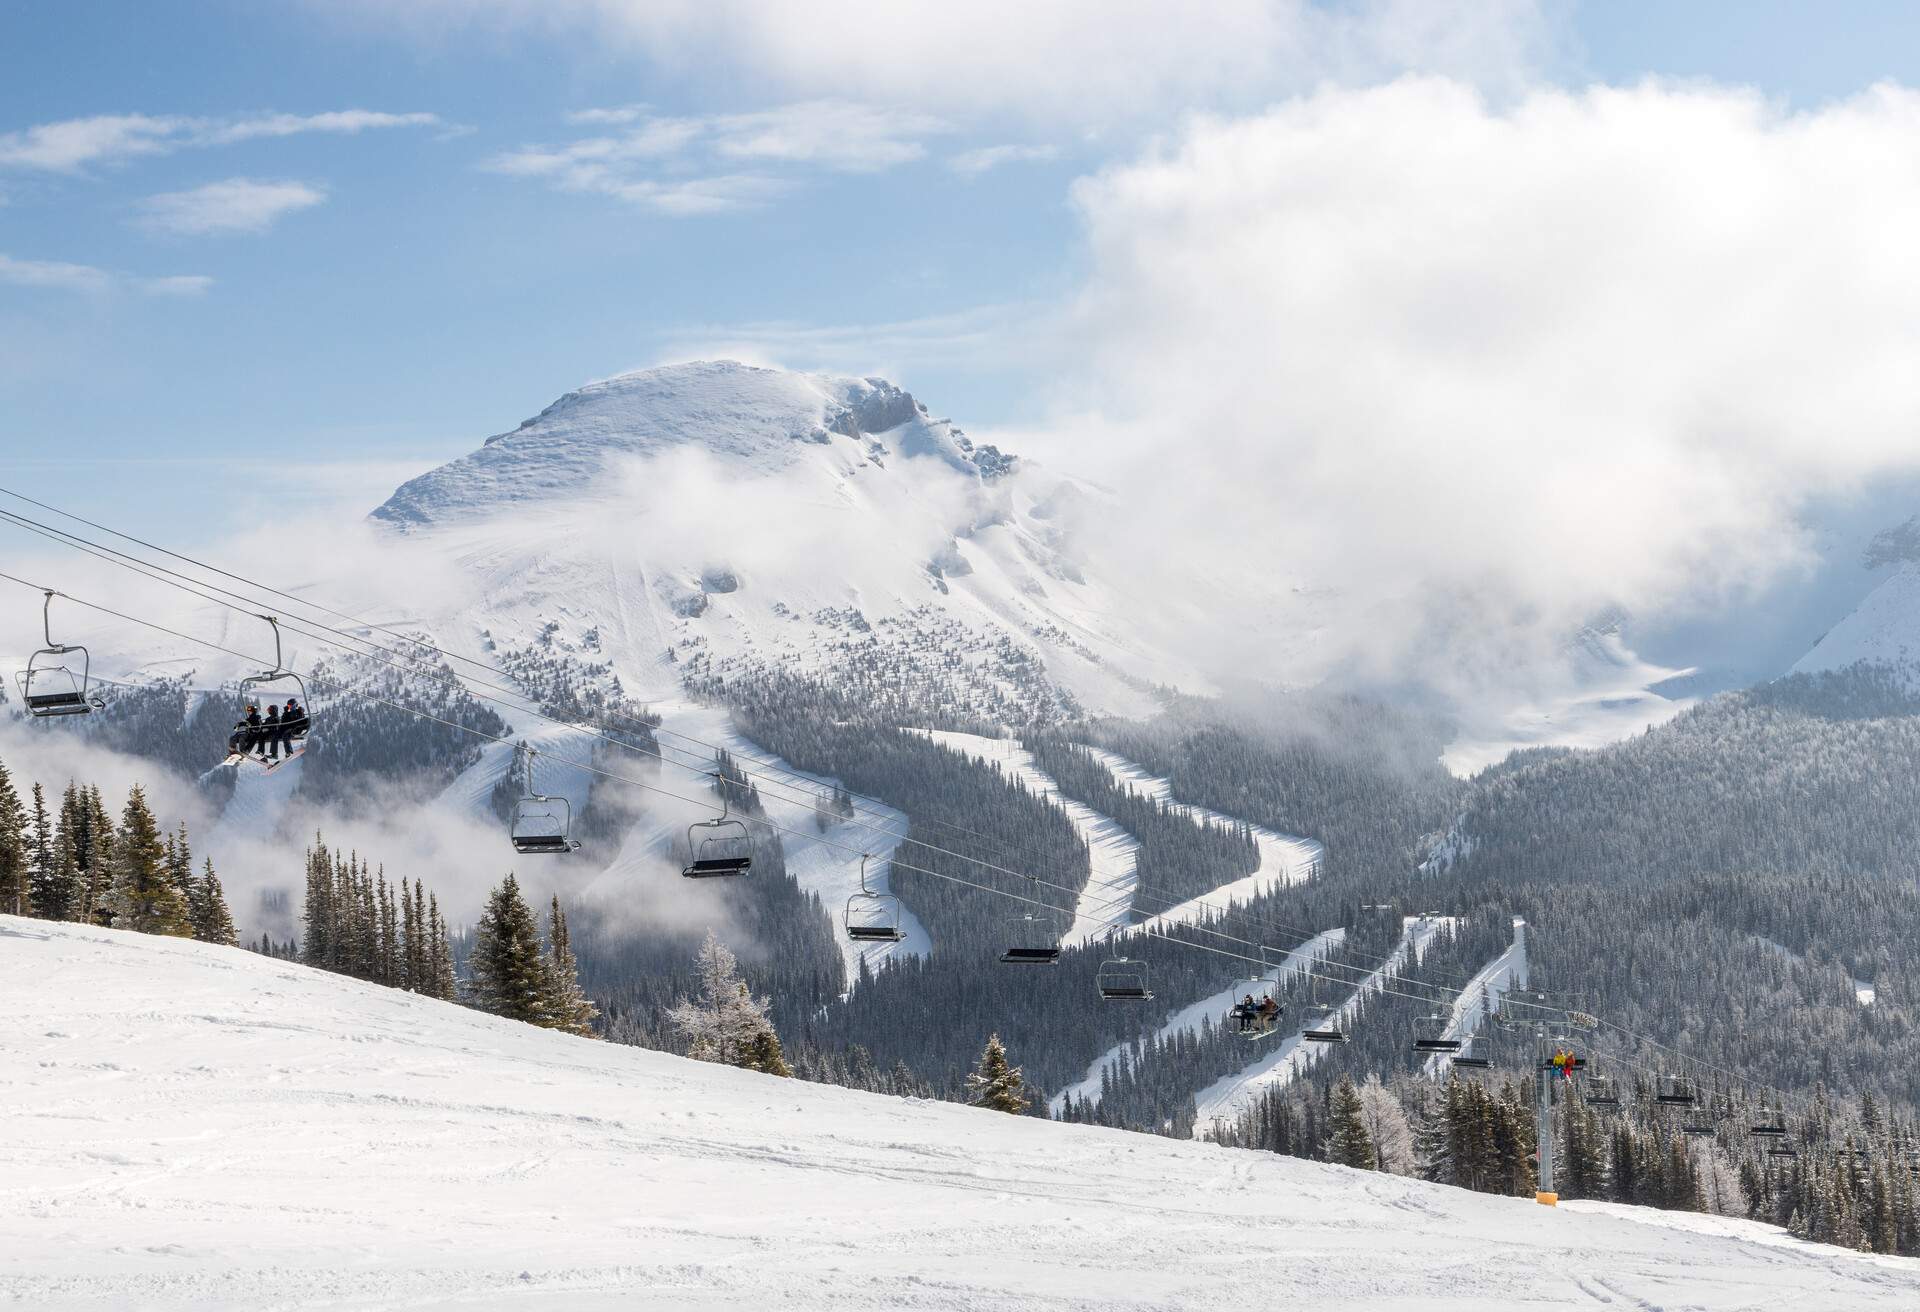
{"x":189,"y":1126}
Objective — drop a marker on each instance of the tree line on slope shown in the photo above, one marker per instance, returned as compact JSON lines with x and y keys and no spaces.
{"x":1848,"y":1176}
{"x":77,"y":864}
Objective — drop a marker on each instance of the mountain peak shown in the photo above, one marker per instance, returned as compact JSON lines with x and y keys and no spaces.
{"x":766,"y":417}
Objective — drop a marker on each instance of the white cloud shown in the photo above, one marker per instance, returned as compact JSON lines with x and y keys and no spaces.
{"x":71,"y":145}
{"x":1434,"y":376}
{"x":1094,"y":62}
{"x":972,"y":163}
{"x":58,"y":275}
{"x":691,"y":165}
{"x":238,"y":205}
{"x":346,"y":122}
{"x":55,"y":274}
{"x":193,"y":284}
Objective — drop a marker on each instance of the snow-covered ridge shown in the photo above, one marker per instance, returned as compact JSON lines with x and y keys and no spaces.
{"x":199,"y":1127}
{"x":1883,"y":630}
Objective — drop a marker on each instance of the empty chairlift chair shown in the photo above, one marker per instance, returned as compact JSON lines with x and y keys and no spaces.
{"x":50,"y":686}
{"x":1327,"y":1028}
{"x":1430,"y":1035}
{"x":1474,"y":1055}
{"x":872,"y":916}
{"x":541,"y":824}
{"x":1675,"y":1091}
{"x":718,"y":848}
{"x":1121,"y":979}
{"x":1032,"y":940}
{"x":1770,"y":1125}
{"x":1602,"y":1092}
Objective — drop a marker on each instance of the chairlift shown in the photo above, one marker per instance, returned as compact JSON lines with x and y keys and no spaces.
{"x":293,"y":732}
{"x":1328,"y":1028}
{"x":872,"y":917}
{"x":719,"y":847}
{"x":1521,"y":1007}
{"x":541,"y":824}
{"x":1773,"y":1127}
{"x":1474,"y":1055}
{"x":49,"y":686}
{"x":1675,"y":1091}
{"x":1698,"y":1125}
{"x":1430,"y":1035}
{"x":1032,"y":939}
{"x":1255,"y":1014}
{"x":1121,"y":979}
{"x":1783,"y":1150}
{"x":1601,"y":1091}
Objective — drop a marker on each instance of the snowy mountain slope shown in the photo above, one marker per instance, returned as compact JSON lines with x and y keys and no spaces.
{"x":1284,"y":858}
{"x":1884,"y":629}
{"x":195,"y":1127}
{"x":824,"y":862}
{"x":1215,"y":1007}
{"x":1230,"y":1094}
{"x":1112,"y":852}
{"x":717,"y":519}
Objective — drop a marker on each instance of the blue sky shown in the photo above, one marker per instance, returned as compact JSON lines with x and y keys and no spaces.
{"x":250,"y":291}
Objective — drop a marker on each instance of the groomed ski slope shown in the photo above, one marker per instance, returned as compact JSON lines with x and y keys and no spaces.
{"x":1230,"y":1094}
{"x":1284,"y":858}
{"x":1483,"y":992}
{"x":197,"y":1127}
{"x":1112,"y":852}
{"x":1214,"y":1006}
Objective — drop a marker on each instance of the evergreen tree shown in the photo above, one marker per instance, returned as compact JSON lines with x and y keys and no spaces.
{"x":145,"y":896}
{"x":15,"y":849}
{"x":1347,"y":1143}
{"x":441,"y":983}
{"x":567,"y":1007}
{"x":212,"y":922}
{"x":43,"y":896}
{"x":996,"y":1083}
{"x":320,"y":917}
{"x":93,"y":852}
{"x":180,"y":862}
{"x":509,"y":969}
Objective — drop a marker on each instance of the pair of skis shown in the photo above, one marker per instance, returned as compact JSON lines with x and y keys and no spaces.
{"x":235,"y":758}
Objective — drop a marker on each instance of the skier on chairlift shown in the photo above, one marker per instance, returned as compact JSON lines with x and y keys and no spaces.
{"x":270,"y":734}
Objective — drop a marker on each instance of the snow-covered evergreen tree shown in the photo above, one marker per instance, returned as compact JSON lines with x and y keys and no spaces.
{"x":1388,"y":1129}
{"x":995,"y":1082}
{"x":725,"y":1022}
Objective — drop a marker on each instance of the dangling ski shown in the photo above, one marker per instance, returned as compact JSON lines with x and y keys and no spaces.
{"x":293,"y":755}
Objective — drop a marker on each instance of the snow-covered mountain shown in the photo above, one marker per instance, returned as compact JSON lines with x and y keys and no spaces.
{"x":715,"y":518}
{"x":191,"y":1126}
{"x":1884,"y":629}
